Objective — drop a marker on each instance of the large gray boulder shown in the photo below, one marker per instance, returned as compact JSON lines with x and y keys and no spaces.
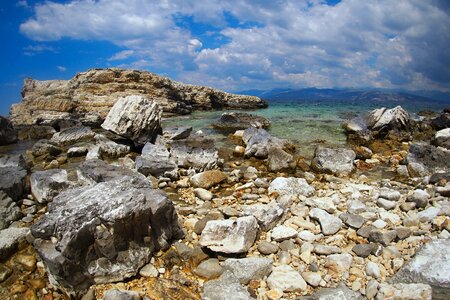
{"x":8,"y":134}
{"x":335,"y":161}
{"x":429,"y":266}
{"x":259,"y":143}
{"x":103,"y":232}
{"x":155,"y":160}
{"x":135,"y":117}
{"x":45,"y":185}
{"x":95,"y":171}
{"x":226,"y":286}
{"x":230,"y":236}
{"x":13,"y":175}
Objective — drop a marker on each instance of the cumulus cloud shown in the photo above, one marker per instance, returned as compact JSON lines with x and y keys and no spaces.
{"x":265,"y":44}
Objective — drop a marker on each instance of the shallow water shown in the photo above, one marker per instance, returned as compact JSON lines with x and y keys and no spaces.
{"x":306,"y":123}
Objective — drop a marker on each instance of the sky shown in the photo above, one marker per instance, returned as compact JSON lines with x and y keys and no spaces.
{"x":233,"y":45}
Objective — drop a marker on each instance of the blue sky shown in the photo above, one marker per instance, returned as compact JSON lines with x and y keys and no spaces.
{"x":233,"y":45}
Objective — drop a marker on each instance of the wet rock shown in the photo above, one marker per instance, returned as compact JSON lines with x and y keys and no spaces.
{"x":9,"y":211}
{"x":442,"y":138}
{"x":135,"y":117}
{"x":230,"y":236}
{"x":427,"y":267}
{"x":403,"y":291}
{"x":282,"y":232}
{"x":249,"y":268}
{"x":209,"y":269}
{"x":334,"y":161}
{"x":8,"y":134}
{"x":11,"y":239}
{"x":226,"y":286}
{"x":352,"y":220}
{"x":267,"y":215}
{"x":329,"y":223}
{"x":285,"y":278}
{"x":292,"y":185}
{"x":124,"y":220}
{"x":177,"y":133}
{"x":267,"y":248}
{"x":208,"y":179}
{"x":116,"y":294}
{"x":45,"y":185}
{"x":72,"y":136}
{"x":237,"y":120}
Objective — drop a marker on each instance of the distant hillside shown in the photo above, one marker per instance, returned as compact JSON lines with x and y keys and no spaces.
{"x":342,"y":94}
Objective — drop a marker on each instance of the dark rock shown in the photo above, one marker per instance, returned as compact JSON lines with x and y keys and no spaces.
{"x":9,"y":211}
{"x":266,"y":248}
{"x":442,"y":121}
{"x":35,"y":132}
{"x":384,"y":238}
{"x":334,"y":161}
{"x":11,"y":240}
{"x":429,"y":266}
{"x":438,"y":177}
{"x":355,"y":221}
{"x":13,"y":181}
{"x":237,"y":120}
{"x":45,"y":185}
{"x":155,"y":160}
{"x":365,"y":231}
{"x":259,"y":143}
{"x":177,"y":133}
{"x":363,"y":250}
{"x":45,"y":148}
{"x":104,"y":232}
{"x":8,"y":135}
{"x":94,"y":171}
{"x":433,"y":158}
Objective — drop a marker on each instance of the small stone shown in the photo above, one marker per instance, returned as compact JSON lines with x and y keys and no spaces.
{"x":326,"y":250}
{"x":274,"y":294}
{"x":5,"y":272}
{"x":352,"y":220}
{"x":384,"y":238}
{"x":356,"y":207}
{"x":362,"y":250}
{"x":27,"y":261}
{"x":428,"y":214}
{"x":339,"y":263}
{"x":307,"y":235}
{"x":373,"y":270}
{"x":149,"y":270}
{"x":365,"y":231}
{"x":329,"y":223}
{"x":286,"y":279}
{"x":380,"y":224}
{"x":420,"y":197}
{"x":287,"y":245}
{"x":388,"y":194}
{"x":386,"y":204}
{"x":249,"y":268}
{"x":281,"y":233}
{"x":403,"y":232}
{"x":209,"y":269}
{"x":372,"y":289}
{"x":404,"y":291}
{"x":267,"y":248}
{"x":312,"y":278}
{"x":407,"y":206}
{"x":203,"y":194}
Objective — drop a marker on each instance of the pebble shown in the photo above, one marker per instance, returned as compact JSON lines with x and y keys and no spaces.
{"x":267,"y":248}
{"x":149,"y":270}
{"x":203,"y":194}
{"x":326,"y":250}
{"x":372,"y":288}
{"x":209,"y":269}
{"x":312,"y":278}
{"x":307,"y":235}
{"x":287,"y":279}
{"x":372,"y":269}
{"x":282,"y":232}
{"x":386,"y":204}
{"x":328,"y":223}
{"x":363,"y":250}
{"x":380,"y":224}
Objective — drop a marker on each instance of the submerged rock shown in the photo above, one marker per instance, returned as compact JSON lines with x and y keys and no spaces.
{"x":233,"y":121}
{"x":135,"y":117}
{"x":104,"y":232}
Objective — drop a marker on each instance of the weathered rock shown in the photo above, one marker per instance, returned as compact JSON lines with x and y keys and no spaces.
{"x":267,"y":248}
{"x":363,"y":250}
{"x":177,"y":133}
{"x":45,"y":148}
{"x":442,"y":138}
{"x":8,"y":134}
{"x":384,"y":119}
{"x":116,"y":294}
{"x":209,"y":269}
{"x":282,"y":232}
{"x":372,"y":269}
{"x":325,"y":203}
{"x":94,"y":171}
{"x":10,"y":239}
{"x":285,"y":278}
{"x":329,"y":223}
{"x":259,"y":143}
{"x":403,"y":291}
{"x":292,"y":185}
{"x":338,"y":293}
{"x":420,"y":197}
{"x":226,"y":286}
{"x":9,"y":211}
{"x":208,"y":179}
{"x":45,"y":185}
{"x":334,"y":161}
{"x":135,"y":117}
{"x":155,"y":160}
{"x":280,"y":160}
{"x":427,"y":267}
{"x":339,"y":263}
{"x":433,"y":158}
{"x":352,"y":220}
{"x":230,"y":236}
{"x":149,"y":270}
{"x":382,"y":237}
{"x":124,"y":220}
{"x":249,"y":268}
{"x":72,"y":135}
{"x":12,"y":177}
{"x":195,"y":152}
{"x":267,"y":215}
{"x":312,"y":278}
{"x":237,"y":120}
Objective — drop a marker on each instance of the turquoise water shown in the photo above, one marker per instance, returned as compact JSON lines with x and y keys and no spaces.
{"x":306,"y":123}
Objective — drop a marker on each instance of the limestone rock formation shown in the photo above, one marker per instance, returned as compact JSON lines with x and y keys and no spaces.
{"x":89,"y":96}
{"x":135,"y":117}
{"x":103,"y":232}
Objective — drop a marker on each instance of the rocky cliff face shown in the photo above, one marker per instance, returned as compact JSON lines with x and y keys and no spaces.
{"x":89,"y":96}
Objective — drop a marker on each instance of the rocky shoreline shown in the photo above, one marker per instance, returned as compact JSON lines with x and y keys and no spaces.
{"x":130,"y":210}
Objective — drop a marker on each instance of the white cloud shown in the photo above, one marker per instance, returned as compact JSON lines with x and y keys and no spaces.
{"x":61,"y":68}
{"x":32,"y":50}
{"x":22,"y":3}
{"x":268,"y":43}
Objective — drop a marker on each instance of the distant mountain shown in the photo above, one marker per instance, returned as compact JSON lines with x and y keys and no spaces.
{"x":344,"y":94}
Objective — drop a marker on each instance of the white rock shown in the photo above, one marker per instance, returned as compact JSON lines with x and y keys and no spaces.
{"x":380,"y":224}
{"x":307,"y":235}
{"x":428,"y":214}
{"x":339,"y":263}
{"x":287,"y":279}
{"x":403,"y":291}
{"x":329,"y":223}
{"x":203,"y":194}
{"x":373,"y":270}
{"x":312,"y":278}
{"x":325,"y":203}
{"x":281,"y":233}
{"x":291,"y":185}
{"x":390,"y":217}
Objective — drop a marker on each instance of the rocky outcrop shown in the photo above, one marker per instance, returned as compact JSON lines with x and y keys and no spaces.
{"x":103,"y":232}
{"x":89,"y":96}
{"x":135,"y":117}
{"x":236,"y":120}
{"x":8,"y":134}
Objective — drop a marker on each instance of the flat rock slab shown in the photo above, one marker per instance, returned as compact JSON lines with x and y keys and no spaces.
{"x":103,"y":232}
{"x":335,"y":161}
{"x":429,"y":266}
{"x":45,"y":185}
{"x":230,"y":236}
{"x":225,"y":287}
{"x":291,"y":185}
{"x":249,"y":268}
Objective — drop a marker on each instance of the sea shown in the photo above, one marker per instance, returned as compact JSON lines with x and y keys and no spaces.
{"x":307,"y":123}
